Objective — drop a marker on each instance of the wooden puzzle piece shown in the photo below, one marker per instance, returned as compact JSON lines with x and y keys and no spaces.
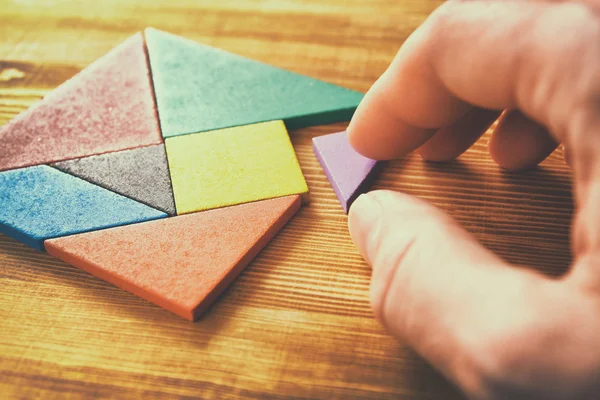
{"x":41,"y":202}
{"x":349,"y":173}
{"x":141,"y":174}
{"x":182,"y":263}
{"x":201,"y":88}
{"x":108,"y":106}
{"x":233,"y":166}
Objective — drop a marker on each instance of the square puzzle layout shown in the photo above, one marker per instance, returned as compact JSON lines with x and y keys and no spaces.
{"x":165,"y":166}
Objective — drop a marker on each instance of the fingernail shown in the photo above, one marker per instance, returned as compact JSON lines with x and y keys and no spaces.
{"x":363,"y":222}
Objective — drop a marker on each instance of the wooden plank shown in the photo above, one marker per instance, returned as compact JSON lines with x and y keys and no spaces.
{"x":297,"y":321}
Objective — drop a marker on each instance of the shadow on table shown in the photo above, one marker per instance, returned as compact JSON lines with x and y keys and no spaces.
{"x":525,"y":217}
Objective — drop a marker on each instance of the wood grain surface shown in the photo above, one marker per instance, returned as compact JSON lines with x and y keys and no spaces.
{"x":297,"y":323}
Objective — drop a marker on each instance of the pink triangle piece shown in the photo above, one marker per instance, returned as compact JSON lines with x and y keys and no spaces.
{"x":349,"y":173}
{"x":108,"y":106}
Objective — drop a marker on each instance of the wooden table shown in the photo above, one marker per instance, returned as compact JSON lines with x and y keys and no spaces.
{"x":297,"y":322}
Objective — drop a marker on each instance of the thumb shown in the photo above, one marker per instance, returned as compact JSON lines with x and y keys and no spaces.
{"x":456,"y":303}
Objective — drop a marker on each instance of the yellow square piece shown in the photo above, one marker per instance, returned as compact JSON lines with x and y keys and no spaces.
{"x":232,"y":166}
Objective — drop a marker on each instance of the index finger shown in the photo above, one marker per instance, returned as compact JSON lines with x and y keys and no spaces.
{"x":494,"y":55}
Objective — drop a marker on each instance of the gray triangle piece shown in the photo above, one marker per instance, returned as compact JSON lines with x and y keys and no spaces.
{"x":141,"y":174}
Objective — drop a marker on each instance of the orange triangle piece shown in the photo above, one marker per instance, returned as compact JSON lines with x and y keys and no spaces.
{"x":182,"y":263}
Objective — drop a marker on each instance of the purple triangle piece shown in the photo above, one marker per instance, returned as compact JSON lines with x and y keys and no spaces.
{"x":349,"y":173}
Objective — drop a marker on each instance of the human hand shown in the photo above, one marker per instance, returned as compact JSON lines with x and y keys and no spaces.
{"x":497,"y":331}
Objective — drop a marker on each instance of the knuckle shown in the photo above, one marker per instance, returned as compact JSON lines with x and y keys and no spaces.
{"x":442,"y":20}
{"x":399,"y":264}
{"x":442,"y":15}
{"x":391,"y":259}
{"x":560,"y":65}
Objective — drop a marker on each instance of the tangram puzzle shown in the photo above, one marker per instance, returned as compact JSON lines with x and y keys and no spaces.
{"x":165,"y":166}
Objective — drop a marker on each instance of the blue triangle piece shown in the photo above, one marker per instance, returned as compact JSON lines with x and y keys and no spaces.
{"x":41,"y":202}
{"x":349,"y":173}
{"x":200,"y":88}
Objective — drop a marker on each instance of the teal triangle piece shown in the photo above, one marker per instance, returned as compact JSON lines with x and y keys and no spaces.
{"x":200,"y":88}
